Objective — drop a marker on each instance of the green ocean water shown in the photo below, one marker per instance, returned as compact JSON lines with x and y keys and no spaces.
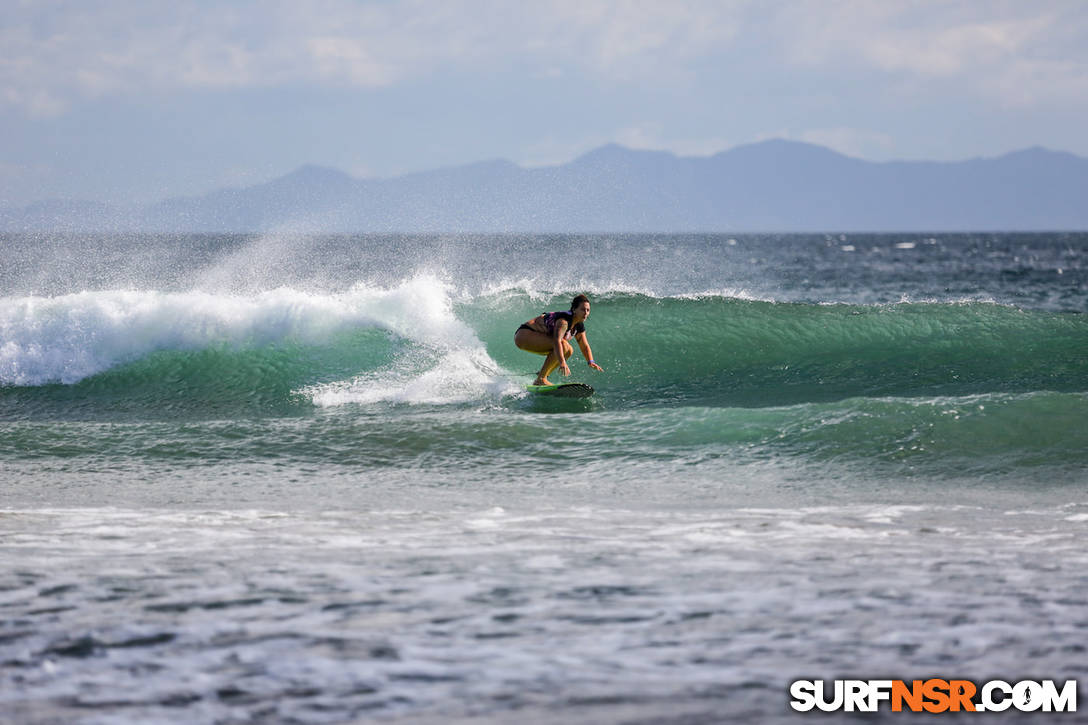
{"x":435,"y":382}
{"x":221,"y":455}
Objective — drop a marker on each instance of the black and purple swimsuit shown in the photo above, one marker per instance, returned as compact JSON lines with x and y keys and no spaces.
{"x":551,"y":319}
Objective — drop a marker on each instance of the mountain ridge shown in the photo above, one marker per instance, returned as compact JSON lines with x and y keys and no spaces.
{"x":770,"y":186}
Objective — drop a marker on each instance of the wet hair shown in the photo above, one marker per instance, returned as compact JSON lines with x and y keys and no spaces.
{"x":578,"y":301}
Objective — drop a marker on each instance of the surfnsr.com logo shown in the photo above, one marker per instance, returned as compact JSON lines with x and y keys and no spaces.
{"x":933,"y":695}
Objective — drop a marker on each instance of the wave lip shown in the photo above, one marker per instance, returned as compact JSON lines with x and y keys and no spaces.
{"x":69,"y":338}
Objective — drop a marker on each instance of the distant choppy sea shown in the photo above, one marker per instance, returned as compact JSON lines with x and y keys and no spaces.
{"x":297,"y":479}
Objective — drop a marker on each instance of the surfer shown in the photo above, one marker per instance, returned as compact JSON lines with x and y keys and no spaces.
{"x":547,"y":334}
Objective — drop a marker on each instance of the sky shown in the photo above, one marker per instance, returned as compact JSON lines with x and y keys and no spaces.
{"x":133,"y":101}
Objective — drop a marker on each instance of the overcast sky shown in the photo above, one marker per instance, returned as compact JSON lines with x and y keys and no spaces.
{"x":139,"y":100}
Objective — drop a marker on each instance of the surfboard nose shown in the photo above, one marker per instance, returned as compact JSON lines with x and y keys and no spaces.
{"x":562,"y":390}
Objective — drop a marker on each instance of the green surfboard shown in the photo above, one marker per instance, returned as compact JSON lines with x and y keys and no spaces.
{"x":562,"y":390}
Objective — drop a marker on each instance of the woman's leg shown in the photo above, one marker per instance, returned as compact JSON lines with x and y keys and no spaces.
{"x":541,"y":344}
{"x":551,"y":362}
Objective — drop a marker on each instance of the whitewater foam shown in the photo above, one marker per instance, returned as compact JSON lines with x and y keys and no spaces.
{"x":71,"y":337}
{"x":447,"y":365}
{"x":456,"y":376}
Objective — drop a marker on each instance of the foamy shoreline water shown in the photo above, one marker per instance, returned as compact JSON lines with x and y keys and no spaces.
{"x":563,"y":614}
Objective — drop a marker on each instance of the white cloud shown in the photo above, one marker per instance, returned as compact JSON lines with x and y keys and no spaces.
{"x":1015,"y":52}
{"x":348,"y":61}
{"x":653,"y":137}
{"x":57,"y":53}
{"x":633,"y":39}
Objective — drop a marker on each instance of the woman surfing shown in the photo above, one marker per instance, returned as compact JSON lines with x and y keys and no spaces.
{"x":548,"y":333}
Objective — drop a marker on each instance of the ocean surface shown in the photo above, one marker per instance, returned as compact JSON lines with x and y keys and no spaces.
{"x":296,"y":478}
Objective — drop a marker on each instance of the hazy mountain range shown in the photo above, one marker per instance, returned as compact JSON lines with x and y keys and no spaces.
{"x":773,"y":186}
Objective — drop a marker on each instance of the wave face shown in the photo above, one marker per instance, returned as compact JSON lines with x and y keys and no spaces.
{"x":700,"y":366}
{"x":707,"y":348}
{"x":743,"y":352}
